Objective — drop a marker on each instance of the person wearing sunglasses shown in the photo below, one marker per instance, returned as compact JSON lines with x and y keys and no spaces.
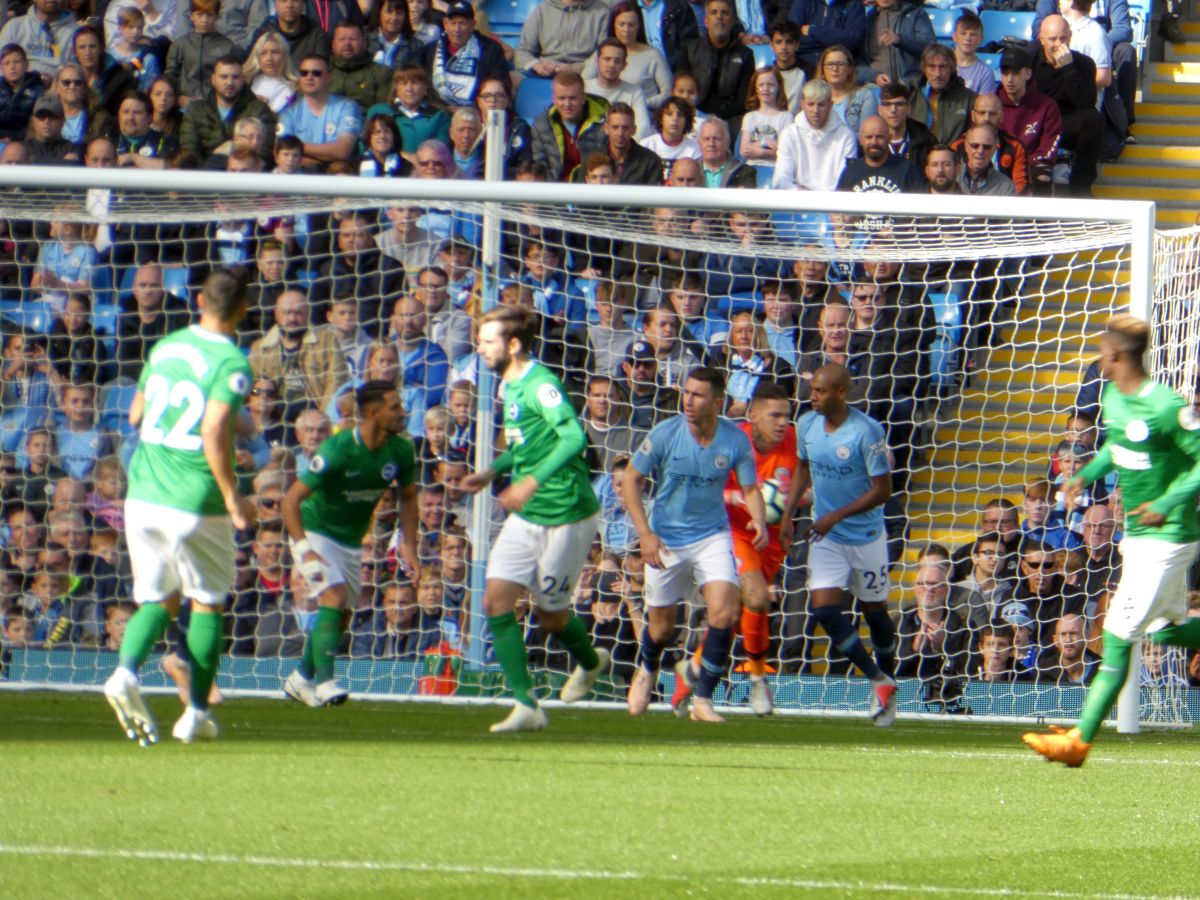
{"x":327,"y":124}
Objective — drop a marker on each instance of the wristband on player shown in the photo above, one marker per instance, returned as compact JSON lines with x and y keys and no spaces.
{"x":300,"y":548}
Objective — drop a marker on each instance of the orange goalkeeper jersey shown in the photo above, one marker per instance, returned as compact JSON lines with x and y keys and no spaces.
{"x":776,"y":465}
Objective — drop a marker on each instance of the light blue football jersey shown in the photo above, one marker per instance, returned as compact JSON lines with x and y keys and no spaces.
{"x":689,"y":499}
{"x":842,"y":465}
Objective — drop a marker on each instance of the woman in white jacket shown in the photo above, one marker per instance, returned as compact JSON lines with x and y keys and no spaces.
{"x":814,"y":148}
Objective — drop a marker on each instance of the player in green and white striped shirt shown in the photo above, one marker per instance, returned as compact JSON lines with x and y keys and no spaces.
{"x":553,"y":515}
{"x":1154,"y":445}
{"x":183,"y":503}
{"x":328,"y":511}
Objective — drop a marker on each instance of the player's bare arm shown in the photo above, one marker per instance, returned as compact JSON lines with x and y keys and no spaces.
{"x":216,"y":436}
{"x":410,"y":523}
{"x":881,"y":490}
{"x":137,"y":409}
{"x":758,"y":514}
{"x":311,"y":564}
{"x":631,"y":493}
{"x":787,"y":521}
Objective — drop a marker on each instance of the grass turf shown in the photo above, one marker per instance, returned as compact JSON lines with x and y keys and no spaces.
{"x":407,"y":800}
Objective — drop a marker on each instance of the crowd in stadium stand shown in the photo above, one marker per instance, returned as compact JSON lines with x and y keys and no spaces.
{"x":850,"y":96}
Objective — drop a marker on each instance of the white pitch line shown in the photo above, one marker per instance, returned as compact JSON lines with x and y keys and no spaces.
{"x":370,"y":865}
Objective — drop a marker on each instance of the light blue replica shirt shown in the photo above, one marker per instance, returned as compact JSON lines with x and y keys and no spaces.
{"x":842,"y":464}
{"x":689,"y":497}
{"x":340,"y":116}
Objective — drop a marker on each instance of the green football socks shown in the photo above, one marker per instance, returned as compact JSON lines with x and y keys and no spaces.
{"x":509,"y":645}
{"x":204,"y":644}
{"x":1103,"y":691}
{"x":575,"y":638}
{"x":322,"y":644}
{"x":145,"y":629}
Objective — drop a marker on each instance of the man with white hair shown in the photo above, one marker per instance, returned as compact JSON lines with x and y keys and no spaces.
{"x":813,"y":150}
{"x":717,"y":163}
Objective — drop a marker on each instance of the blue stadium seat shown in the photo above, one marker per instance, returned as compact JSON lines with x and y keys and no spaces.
{"x":943,"y":22}
{"x":764,"y":56}
{"x":533,"y":96}
{"x":175,"y":282}
{"x":116,"y":398}
{"x":947,"y":351}
{"x":997,"y":25}
{"x":104,"y":318}
{"x":507,"y":16}
{"x":30,"y":315}
{"x":993,"y":61}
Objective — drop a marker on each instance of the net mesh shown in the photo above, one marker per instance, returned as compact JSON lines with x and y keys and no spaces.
{"x":967,"y":338}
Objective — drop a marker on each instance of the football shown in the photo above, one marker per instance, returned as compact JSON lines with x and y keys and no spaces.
{"x":774,"y":499}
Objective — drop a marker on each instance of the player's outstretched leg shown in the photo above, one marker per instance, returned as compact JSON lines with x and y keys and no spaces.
{"x":590,"y":663}
{"x":645,"y":677}
{"x":313,"y":682}
{"x":838,"y":626}
{"x":883,"y":641}
{"x":122,"y":690}
{"x":509,"y":645}
{"x":204,"y":637}
{"x":723,"y":606}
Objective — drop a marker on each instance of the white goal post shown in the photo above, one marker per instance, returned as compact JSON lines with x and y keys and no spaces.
{"x":1044,"y":273}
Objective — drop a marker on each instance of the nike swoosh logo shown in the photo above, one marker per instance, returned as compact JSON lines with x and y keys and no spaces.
{"x":353,"y":474}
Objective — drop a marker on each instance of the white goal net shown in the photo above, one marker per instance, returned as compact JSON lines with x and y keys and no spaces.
{"x":968,"y":334}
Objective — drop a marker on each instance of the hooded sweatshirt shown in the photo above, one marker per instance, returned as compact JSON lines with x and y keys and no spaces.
{"x":565,"y":34}
{"x":812,"y":159}
{"x":1036,"y":122}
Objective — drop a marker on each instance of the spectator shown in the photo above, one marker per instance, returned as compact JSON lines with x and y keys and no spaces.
{"x":747,"y":361}
{"x":40,"y":470}
{"x":358,"y":269}
{"x":720,"y":62}
{"x":646,"y":67}
{"x":418,"y":119}
{"x":399,"y":636}
{"x":257,"y":611}
{"x":191,"y":56}
{"x":44,"y":32}
{"x":1042,"y":590}
{"x":984,"y":592}
{"x":266,"y":412}
{"x":785,"y":44}
{"x":270,"y":72}
{"x":572,"y":128}
{"x":1068,"y":661}
{"x":25,"y":389}
{"x":996,"y":662}
{"x":312,"y":428}
{"x":19,"y":89}
{"x":308,"y":361}
{"x":939,"y":97}
{"x":1030,"y":116}
{"x":327,"y":124}
{"x":670,"y":142}
{"x":25,"y":536}
{"x":462,"y":58}
{"x":1090,"y":38}
{"x":73,"y":349}
{"x":425,"y":365}
{"x":852,"y":102}
{"x":106,"y":78}
{"x":661,"y":330}
{"x":896,"y":35}
{"x":106,"y":502}
{"x":607,"y":83}
{"x":1102,"y":555}
{"x":67,"y":261}
{"x":355,"y":75}
{"x":1069,"y":79}
{"x":559,"y":35}
{"x":209,"y":122}
{"x":466,"y":128}
{"x":391,"y":37}
{"x":814,"y":149}
{"x":767,"y":117}
{"x":999,"y":517}
{"x":934,"y":641}
{"x":877,"y":170}
{"x":717,"y":163}
{"x":406,"y":241}
{"x":116,"y":618}
{"x":781,"y":322}
{"x":823,"y":24}
{"x":145,"y":320}
{"x":648,"y":402}
{"x":609,"y":338}
{"x":496,"y":93}
{"x":80,"y":439}
{"x":70,"y":86}
{"x":632,"y":163}
{"x":382,"y":142}
{"x":304,"y":36}
{"x":48,"y":602}
{"x":132,"y":51}
{"x":138,"y":143}
{"x":342,"y":316}
{"x":448,"y":327}
{"x":605,"y":419}
{"x":1037,"y":525}
{"x":166,"y":116}
{"x":907,"y":138}
{"x":833,"y":329}
{"x":1009,"y":158}
{"x":979,"y":177}
{"x":46,"y":144}
{"x":976,"y":74}
{"x":162,"y":21}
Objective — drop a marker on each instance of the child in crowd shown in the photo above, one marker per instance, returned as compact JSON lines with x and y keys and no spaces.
{"x":131,"y":50}
{"x":672,"y":122}
{"x":342,"y":316}
{"x":65,"y":263}
{"x":968,"y":33}
{"x":785,"y":42}
{"x":460,"y":400}
{"x":686,"y":87}
{"x":611,"y":335}
{"x":106,"y":502}
{"x":1081,"y":429}
{"x":1036,"y":503}
{"x":768,"y":116}
{"x":1073,"y":456}
{"x":191,"y":57}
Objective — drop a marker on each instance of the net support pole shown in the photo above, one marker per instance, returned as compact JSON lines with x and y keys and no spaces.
{"x":1141,"y":294}
{"x":493,"y":171}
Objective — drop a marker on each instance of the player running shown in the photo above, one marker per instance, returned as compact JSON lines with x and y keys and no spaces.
{"x":328,"y":509}
{"x":773,"y":439}
{"x":686,"y":541}
{"x":554,"y":516}
{"x":183,"y":503}
{"x":844,"y":456}
{"x":1154,"y":444}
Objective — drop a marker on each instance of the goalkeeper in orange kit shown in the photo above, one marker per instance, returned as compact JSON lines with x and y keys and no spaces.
{"x":773,"y":437}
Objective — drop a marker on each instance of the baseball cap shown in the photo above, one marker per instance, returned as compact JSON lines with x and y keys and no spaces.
{"x":1016,"y":614}
{"x":1012,"y":58}
{"x":640,"y":350}
{"x":48,"y":103}
{"x":460,"y":9}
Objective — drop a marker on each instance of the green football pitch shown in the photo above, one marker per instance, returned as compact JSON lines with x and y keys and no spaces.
{"x":413,"y":800}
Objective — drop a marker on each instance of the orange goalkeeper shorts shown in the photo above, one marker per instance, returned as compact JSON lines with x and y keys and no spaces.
{"x":768,"y":560}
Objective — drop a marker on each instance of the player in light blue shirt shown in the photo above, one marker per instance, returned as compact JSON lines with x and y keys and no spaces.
{"x":328,"y":124}
{"x":686,"y":539}
{"x":844,"y":457}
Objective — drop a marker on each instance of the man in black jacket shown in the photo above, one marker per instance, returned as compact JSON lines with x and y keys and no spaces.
{"x":303,"y":35}
{"x":1069,"y":79}
{"x":670,"y":26}
{"x":720,"y":62}
{"x":907,"y":138}
{"x":634,"y":164}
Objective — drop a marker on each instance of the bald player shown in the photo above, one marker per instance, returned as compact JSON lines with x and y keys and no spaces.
{"x":844,"y":458}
